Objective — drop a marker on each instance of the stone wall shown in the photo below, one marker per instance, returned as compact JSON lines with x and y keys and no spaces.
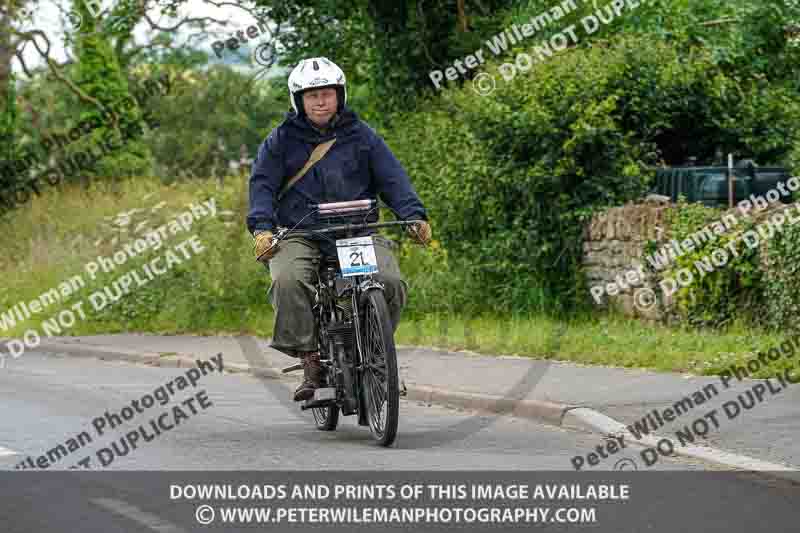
{"x":613,"y":247}
{"x":613,"y":255}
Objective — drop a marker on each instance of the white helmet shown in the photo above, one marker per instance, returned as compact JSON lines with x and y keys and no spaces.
{"x":315,"y":73}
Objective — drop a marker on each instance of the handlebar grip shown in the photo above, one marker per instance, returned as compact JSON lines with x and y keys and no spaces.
{"x":285,"y":232}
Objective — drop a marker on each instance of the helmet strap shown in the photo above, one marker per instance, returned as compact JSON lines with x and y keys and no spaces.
{"x":298,"y":103}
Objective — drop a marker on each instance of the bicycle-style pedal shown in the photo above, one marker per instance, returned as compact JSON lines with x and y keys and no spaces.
{"x":292,"y":368}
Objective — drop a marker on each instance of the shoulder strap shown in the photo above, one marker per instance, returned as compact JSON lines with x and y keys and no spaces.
{"x":319,"y":152}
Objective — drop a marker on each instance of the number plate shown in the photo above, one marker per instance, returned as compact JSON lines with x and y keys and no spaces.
{"x":356,"y":256}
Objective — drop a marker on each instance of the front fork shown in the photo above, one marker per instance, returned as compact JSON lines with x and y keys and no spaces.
{"x":358,"y":350}
{"x":358,"y":295}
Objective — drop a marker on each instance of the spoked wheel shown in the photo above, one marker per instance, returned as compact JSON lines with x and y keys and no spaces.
{"x":379,"y":384}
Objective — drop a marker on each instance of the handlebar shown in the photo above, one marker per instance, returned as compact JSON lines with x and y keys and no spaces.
{"x":337,"y":210}
{"x":284,"y":233}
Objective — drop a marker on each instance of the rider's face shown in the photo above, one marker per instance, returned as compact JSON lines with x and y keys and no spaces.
{"x":320,"y":105}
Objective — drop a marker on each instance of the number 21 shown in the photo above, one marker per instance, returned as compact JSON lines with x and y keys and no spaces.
{"x":354,"y":256}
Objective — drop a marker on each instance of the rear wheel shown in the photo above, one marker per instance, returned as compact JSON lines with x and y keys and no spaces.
{"x":379,"y":384}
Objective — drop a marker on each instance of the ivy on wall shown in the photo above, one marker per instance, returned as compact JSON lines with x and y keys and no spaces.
{"x":757,"y":284}
{"x":781,"y":288}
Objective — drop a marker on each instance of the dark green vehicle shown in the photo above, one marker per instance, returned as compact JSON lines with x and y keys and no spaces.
{"x":709,"y":184}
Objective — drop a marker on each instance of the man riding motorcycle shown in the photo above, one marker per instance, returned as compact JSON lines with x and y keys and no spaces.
{"x":358,"y":166}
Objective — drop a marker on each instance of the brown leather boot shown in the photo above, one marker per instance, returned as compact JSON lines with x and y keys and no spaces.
{"x":312,"y":376}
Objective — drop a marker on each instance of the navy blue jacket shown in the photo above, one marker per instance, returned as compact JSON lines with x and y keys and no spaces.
{"x":359,"y":166}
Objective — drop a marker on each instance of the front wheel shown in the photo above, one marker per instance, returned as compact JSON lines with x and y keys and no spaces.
{"x":379,"y":382}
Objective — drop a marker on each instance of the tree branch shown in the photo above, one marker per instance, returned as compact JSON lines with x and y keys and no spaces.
{"x":462,"y":16}
{"x":719,"y":22}
{"x":424,"y":28}
{"x":203,"y":20}
{"x":27,"y":72}
{"x":253,"y":11}
{"x":126,"y":57}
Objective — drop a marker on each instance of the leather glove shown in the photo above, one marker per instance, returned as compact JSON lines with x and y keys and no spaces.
{"x":263,"y":248}
{"x":420,"y":232}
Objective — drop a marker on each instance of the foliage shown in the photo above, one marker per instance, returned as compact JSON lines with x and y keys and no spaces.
{"x":45,"y":249}
{"x":793,"y":159}
{"x":756,"y":285}
{"x":781,"y":264}
{"x":533,"y":160}
{"x":509,"y":179}
{"x":744,"y":38}
{"x":764,"y":123}
{"x":100,"y":76}
{"x":223,"y":290}
{"x":8,"y":134}
{"x":389,"y":46}
{"x":453,"y":202}
{"x":204,"y":127}
{"x":733,"y":287}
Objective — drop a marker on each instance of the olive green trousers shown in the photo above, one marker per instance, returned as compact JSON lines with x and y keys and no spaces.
{"x":292,"y":291}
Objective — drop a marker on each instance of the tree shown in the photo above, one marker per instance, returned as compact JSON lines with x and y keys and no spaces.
{"x":8,"y":96}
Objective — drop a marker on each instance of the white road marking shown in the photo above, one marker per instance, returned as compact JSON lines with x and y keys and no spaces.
{"x":149,"y":520}
{"x":5,"y":452}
